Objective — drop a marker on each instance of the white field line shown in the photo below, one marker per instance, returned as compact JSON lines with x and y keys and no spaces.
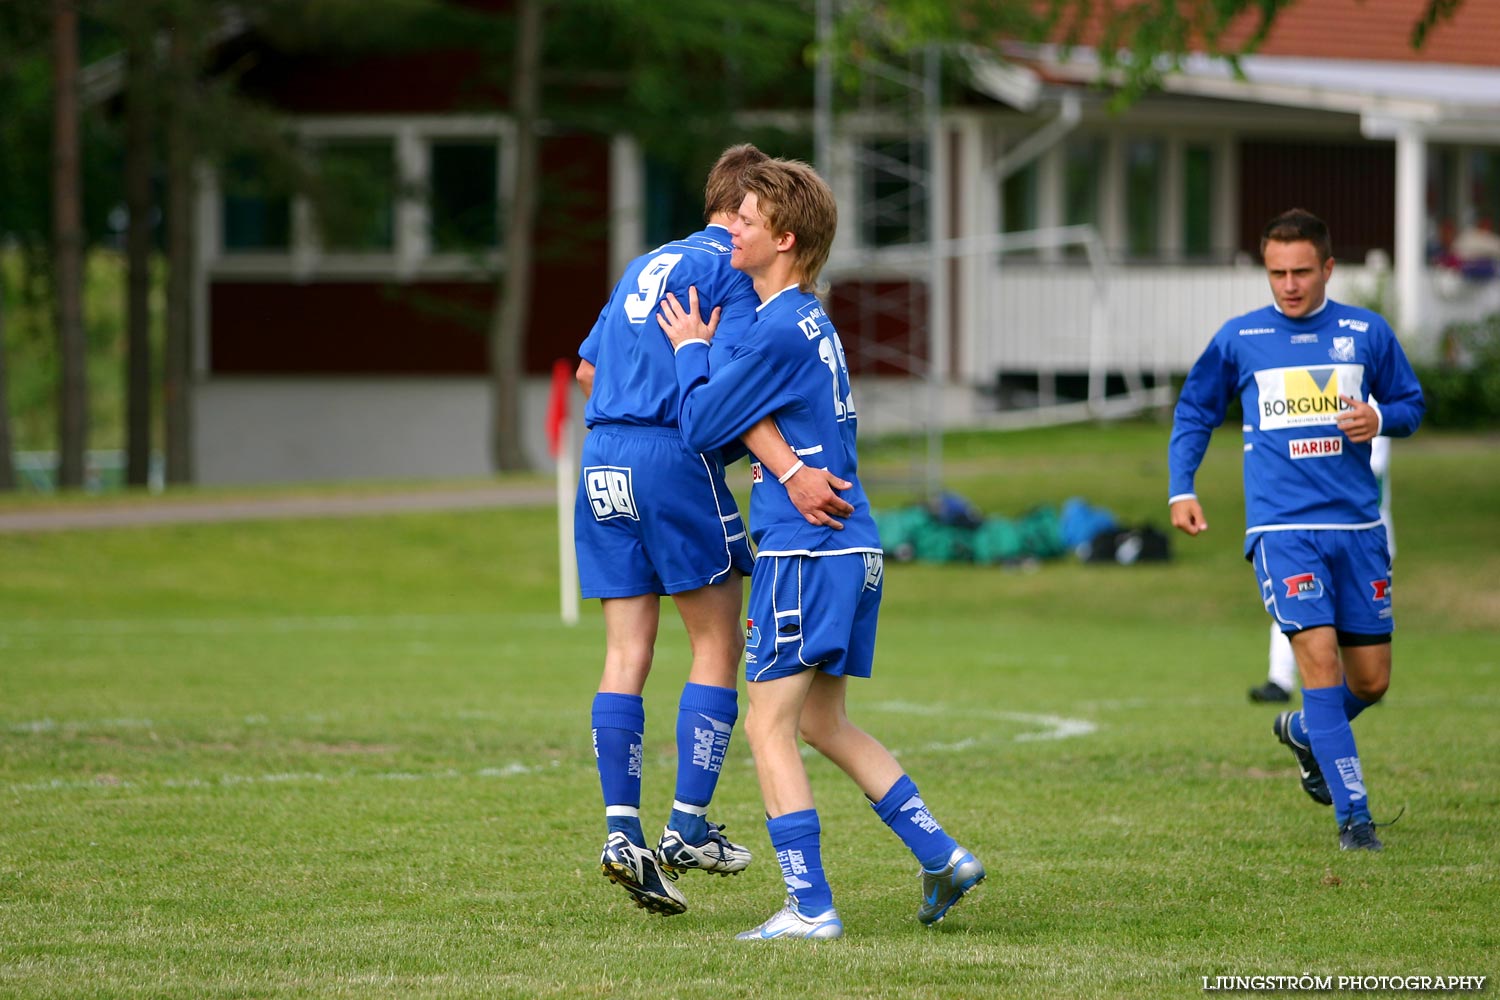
{"x":1039,"y":726}
{"x":511,"y":770}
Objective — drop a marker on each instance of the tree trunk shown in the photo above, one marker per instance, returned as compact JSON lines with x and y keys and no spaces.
{"x":7,"y":447}
{"x":67,"y":249}
{"x":139,"y":156}
{"x":513,"y":307}
{"x":182,"y":266}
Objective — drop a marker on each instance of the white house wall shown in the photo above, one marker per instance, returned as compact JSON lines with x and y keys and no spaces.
{"x":268,"y":430}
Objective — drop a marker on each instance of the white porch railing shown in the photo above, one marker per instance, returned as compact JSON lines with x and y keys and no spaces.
{"x":1035,"y":317}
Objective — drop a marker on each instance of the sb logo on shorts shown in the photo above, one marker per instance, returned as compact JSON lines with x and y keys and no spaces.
{"x":610,"y":492}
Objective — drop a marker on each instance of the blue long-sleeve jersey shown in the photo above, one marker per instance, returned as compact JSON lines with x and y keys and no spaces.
{"x":790,"y":365}
{"x":634,"y":380}
{"x":1300,"y":470}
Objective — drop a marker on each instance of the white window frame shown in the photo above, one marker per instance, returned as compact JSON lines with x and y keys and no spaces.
{"x":411,"y":255}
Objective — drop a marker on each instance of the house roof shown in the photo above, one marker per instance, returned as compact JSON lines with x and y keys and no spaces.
{"x":1344,"y":56}
{"x":1451,"y":103}
{"x":1381,"y":31}
{"x":1375,"y":30}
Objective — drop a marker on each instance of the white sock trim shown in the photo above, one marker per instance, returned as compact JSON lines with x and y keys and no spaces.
{"x":634,"y":812}
{"x":691,"y":810}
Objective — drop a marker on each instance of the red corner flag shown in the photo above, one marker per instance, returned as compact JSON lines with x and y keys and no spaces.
{"x":557,"y":403}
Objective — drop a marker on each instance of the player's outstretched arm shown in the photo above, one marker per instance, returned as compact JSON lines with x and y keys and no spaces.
{"x":1187,"y":516}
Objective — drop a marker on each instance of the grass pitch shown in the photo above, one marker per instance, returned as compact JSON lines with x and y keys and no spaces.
{"x":351,"y":759}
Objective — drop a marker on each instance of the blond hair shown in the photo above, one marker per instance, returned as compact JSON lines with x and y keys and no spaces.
{"x":724,"y":190}
{"x":794,"y":199}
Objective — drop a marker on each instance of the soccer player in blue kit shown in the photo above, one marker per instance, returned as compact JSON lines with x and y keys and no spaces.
{"x":1303,"y":369}
{"x":1281,"y":669}
{"x":814,"y":594}
{"x":657,"y":518}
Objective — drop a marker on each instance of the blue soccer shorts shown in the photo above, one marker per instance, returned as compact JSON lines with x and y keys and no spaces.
{"x":813,"y":612}
{"x":1328,"y":577}
{"x":653,"y":517}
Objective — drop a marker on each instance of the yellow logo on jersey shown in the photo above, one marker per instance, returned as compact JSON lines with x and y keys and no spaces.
{"x":1299,"y":397}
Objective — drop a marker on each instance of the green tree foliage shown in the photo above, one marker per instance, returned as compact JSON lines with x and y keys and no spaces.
{"x":1463,"y":387}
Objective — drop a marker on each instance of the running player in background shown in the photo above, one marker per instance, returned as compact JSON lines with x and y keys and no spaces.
{"x":1302,"y":369}
{"x":815,"y":594}
{"x":655,"y":517}
{"x":1281,"y":670}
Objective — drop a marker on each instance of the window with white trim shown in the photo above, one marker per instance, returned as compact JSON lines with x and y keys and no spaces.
{"x":893,"y":190}
{"x":395,"y":194}
{"x":257,"y":212}
{"x":463,"y":196}
{"x":1145,"y":161}
{"x":355,"y":195}
{"x":1198,"y":200}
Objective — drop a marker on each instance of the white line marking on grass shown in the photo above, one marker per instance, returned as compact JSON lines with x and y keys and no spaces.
{"x":1048,"y":727}
{"x":510,"y":770}
{"x":1059,"y":727}
{"x":958,"y":747}
{"x":36,"y":726}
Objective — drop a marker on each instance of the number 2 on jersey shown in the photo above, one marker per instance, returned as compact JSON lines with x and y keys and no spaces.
{"x":831,"y":351}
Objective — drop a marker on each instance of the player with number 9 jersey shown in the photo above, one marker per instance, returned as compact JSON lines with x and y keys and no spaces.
{"x":653,"y":516}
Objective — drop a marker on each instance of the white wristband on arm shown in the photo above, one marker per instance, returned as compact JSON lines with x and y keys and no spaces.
{"x":789,"y":473}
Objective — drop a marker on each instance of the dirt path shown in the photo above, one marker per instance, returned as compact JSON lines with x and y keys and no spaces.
{"x":75,"y":517}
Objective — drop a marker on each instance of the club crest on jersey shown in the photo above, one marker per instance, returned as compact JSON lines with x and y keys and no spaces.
{"x":1303,"y":586}
{"x":1315,"y":447}
{"x":1382,"y":589}
{"x":1342,"y":349}
{"x":752,"y":633}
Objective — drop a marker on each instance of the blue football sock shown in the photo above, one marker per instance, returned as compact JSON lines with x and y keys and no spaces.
{"x":705,"y":720}
{"x":619,"y":722}
{"x":1332,"y":744}
{"x":796,"y":838}
{"x":906,"y":814}
{"x":1353,"y":703}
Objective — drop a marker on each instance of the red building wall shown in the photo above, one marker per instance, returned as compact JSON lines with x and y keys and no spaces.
{"x":1351,"y":187}
{"x":332,"y":327}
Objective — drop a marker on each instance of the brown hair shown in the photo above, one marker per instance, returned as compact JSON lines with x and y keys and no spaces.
{"x":794,"y":199}
{"x":1297,"y":225}
{"x":724,"y":190}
